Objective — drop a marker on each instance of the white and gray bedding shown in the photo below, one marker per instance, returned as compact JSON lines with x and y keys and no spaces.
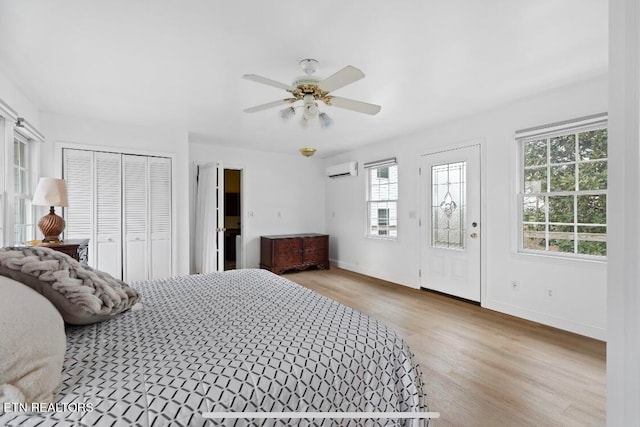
{"x":244,"y":340}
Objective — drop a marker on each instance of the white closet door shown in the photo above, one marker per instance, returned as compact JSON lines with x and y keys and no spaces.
{"x":77,"y":170}
{"x":108,"y":206}
{"x":160,"y":216}
{"x":135,"y":212}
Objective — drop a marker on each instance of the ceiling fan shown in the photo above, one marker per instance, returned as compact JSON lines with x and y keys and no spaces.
{"x":310,"y":89}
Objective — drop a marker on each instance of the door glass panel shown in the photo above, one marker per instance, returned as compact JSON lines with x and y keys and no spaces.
{"x":448,"y":207}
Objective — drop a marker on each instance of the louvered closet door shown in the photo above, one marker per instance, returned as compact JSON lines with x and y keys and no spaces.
{"x":135,"y":211}
{"x":160,"y":216}
{"x":77,"y":170}
{"x":108,"y":206}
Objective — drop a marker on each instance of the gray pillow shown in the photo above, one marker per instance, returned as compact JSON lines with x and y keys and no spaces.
{"x":81,"y":294}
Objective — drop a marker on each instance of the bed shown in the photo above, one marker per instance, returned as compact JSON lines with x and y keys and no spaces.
{"x":242,"y":340}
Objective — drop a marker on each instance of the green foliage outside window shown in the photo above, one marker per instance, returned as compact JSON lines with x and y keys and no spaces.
{"x":564,"y":205}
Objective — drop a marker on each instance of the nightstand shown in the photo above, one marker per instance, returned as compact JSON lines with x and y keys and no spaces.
{"x":77,"y":249}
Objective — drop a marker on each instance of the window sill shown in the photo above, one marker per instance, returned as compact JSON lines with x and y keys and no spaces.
{"x":392,"y":239}
{"x":561,"y":259}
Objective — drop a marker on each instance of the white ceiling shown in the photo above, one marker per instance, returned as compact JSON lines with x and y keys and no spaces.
{"x":179,"y":63}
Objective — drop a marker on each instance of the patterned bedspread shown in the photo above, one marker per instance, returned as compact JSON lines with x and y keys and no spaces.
{"x":243,"y":340}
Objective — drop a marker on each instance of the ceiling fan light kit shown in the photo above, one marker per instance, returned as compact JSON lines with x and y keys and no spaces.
{"x":309,"y":66}
{"x":287,"y":113}
{"x":325,"y":120}
{"x":310,"y":90}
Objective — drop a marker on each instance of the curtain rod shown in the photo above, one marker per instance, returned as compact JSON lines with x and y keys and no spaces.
{"x":24,"y":126}
{"x":595,"y":119}
{"x":7,"y":111}
{"x":383,"y":162}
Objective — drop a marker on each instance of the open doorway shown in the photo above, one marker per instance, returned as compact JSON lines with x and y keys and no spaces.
{"x":232,"y":219}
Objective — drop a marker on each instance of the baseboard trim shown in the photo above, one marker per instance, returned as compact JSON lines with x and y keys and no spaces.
{"x":587,"y":330}
{"x":549,"y":320}
{"x":402,"y":281}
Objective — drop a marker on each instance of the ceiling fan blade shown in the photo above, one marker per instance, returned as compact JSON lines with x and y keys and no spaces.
{"x":351,"y":104}
{"x":266,"y":81}
{"x":269,"y":105}
{"x":341,"y":78}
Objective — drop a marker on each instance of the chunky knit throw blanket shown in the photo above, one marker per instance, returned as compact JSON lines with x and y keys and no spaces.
{"x":95,"y":291}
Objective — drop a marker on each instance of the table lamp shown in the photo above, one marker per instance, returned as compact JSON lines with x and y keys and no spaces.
{"x":51,"y":192}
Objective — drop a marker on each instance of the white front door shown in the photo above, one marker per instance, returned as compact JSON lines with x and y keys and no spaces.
{"x":451,"y":229}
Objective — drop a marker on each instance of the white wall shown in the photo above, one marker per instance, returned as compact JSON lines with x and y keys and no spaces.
{"x":61,"y":128}
{"x":623,"y":343}
{"x":286,"y":183}
{"x":579,"y":303}
{"x":14,"y":98}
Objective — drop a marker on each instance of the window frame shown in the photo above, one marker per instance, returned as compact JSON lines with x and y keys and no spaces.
{"x":375,"y":167}
{"x":571,"y":127}
{"x":28,"y":166}
{"x":13,"y":126}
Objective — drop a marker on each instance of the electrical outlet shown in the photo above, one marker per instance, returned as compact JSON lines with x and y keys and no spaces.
{"x":515,"y":286}
{"x":549,"y":293}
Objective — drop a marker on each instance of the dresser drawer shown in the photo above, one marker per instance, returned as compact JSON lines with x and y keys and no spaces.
{"x":314,"y":256}
{"x":287,"y":260}
{"x":69,"y":250}
{"x":319,"y":243}
{"x":287,"y":246}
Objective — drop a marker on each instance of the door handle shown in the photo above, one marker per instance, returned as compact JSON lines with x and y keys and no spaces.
{"x":474,"y":235}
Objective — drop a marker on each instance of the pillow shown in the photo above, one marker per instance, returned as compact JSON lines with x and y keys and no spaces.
{"x":33,"y":345}
{"x":81,"y":294}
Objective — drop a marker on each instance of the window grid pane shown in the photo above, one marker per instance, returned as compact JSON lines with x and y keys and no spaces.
{"x":382,"y":202}
{"x":563,"y":207}
{"x":23,"y":213}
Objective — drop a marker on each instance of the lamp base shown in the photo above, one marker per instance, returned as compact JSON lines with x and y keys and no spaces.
{"x":51,"y":240}
{"x":51,"y":226}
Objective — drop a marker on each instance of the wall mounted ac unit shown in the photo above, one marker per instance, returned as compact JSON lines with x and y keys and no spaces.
{"x":343,"y":169}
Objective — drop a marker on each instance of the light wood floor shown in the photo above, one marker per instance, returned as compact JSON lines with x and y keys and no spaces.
{"x":480,"y":367}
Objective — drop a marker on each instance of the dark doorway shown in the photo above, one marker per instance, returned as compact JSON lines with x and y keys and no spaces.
{"x":232,"y":218}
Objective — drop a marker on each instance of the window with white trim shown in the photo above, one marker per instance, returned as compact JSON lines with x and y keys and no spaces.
{"x":563,"y":188}
{"x":23,"y":224}
{"x":382,"y":199}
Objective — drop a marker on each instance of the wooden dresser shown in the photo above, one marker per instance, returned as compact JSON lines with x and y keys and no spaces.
{"x":294,"y":252}
{"x":77,"y":249}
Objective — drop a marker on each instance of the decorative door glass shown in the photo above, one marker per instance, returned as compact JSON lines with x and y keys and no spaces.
{"x":448,"y":207}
